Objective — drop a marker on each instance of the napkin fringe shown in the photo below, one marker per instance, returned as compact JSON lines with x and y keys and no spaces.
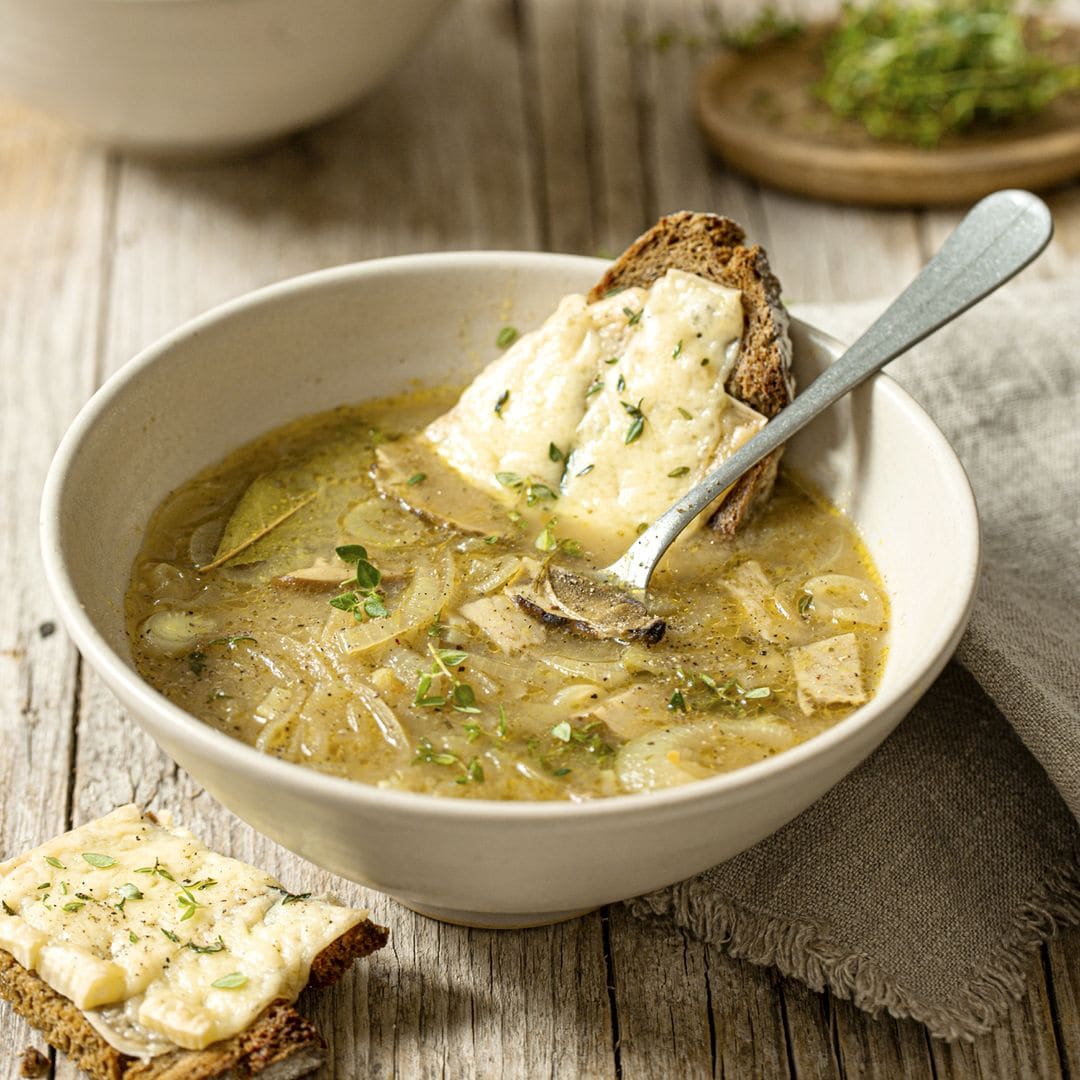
{"x":805,"y":951}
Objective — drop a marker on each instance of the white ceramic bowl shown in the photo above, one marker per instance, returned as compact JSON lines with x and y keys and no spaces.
{"x":187,"y":76}
{"x":367,"y":330}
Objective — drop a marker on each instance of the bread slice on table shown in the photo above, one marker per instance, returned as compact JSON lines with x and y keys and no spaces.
{"x":713,"y":247}
{"x":278,"y":1044}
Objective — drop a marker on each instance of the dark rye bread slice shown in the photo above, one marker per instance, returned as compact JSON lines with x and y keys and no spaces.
{"x":712,"y":247}
{"x":279,"y":1045}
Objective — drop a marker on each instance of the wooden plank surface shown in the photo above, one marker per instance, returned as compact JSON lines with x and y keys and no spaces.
{"x":573,"y":133}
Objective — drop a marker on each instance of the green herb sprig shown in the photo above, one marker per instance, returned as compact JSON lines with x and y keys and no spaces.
{"x":918,"y":71}
{"x":365,"y":599}
{"x":534,"y":490}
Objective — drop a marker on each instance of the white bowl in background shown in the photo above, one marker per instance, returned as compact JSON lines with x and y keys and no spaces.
{"x":351,"y":333}
{"x":200,"y":76}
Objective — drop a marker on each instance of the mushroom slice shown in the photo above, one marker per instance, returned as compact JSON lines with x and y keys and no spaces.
{"x":412,"y":473}
{"x":588,"y":606}
{"x":323,"y":575}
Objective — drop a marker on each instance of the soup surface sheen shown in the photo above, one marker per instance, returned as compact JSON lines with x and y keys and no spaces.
{"x":772,"y":636}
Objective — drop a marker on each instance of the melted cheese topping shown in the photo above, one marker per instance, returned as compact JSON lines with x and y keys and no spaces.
{"x":162,"y":942}
{"x":581,"y":381}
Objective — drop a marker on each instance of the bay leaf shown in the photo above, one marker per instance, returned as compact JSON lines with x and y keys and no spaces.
{"x":269,"y":501}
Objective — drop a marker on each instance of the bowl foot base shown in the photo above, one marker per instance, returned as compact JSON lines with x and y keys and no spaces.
{"x":495,"y":920}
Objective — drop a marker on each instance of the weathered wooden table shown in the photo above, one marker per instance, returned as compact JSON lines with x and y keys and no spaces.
{"x":519,"y":124}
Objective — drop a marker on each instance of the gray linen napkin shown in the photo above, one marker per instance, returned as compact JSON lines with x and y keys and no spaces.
{"x":923,"y":881}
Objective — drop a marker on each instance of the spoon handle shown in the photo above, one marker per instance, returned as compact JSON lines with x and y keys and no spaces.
{"x":999,"y":237}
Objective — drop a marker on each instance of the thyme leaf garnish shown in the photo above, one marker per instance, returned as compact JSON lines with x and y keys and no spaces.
{"x":366,"y":598}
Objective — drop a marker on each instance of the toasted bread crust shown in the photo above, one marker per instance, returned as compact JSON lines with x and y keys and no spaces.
{"x":713,"y":247}
{"x":279,"y":1045}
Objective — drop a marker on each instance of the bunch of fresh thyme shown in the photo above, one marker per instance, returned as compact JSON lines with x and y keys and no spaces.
{"x":918,"y":71}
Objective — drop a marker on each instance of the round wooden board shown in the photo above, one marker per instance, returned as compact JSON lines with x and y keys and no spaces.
{"x":759,"y":113}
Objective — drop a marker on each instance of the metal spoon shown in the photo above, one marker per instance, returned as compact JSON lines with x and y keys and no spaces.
{"x":999,"y":237}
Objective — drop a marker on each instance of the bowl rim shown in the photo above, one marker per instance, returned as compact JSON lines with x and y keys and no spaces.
{"x":309,"y":783}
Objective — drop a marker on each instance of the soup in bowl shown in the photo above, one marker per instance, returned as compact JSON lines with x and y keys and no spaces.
{"x":556,"y":803}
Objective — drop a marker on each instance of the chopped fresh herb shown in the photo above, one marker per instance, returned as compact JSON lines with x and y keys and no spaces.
{"x":218,"y":946}
{"x":423,"y":699}
{"x":682,"y":470}
{"x":435,"y":629}
{"x":8,"y":909}
{"x":506,"y":337}
{"x":366,"y":598}
{"x":561,"y":772}
{"x":205,"y":883}
{"x":620,"y":385}
{"x":633,"y":317}
{"x":588,"y":469}
{"x":100,"y":861}
{"x":475,"y":771}
{"x":596,"y":387}
{"x":416,"y":478}
{"x":731,"y":694}
{"x":537,"y":492}
{"x":510,"y":480}
{"x":554,"y":453}
{"x":232,"y":981}
{"x":132,"y":937}
{"x":53,"y":861}
{"x":677,"y":702}
{"x":295,"y":898}
{"x":572,"y":548}
{"x":562,"y":731}
{"x":233,"y":641}
{"x":472,"y":732}
{"x":45,"y":885}
{"x":374,"y":608}
{"x":677,"y":351}
{"x":516,"y":518}
{"x":685,"y":414}
{"x":502,"y":399}
{"x":463,"y":698}
{"x":641,"y":527}
{"x":546,"y":540}
{"x":637,"y":423}
{"x":187,"y":902}
{"x":806,"y":602}
{"x":427,"y":754}
{"x":156,"y":869}
{"x":83,"y":896}
{"x":130,"y":892}
{"x":491,"y":539}
{"x":500,"y":729}
{"x":74,"y":905}
{"x":196,"y":661}
{"x":63,"y":888}
{"x":171,"y":936}
{"x":612,"y":360}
